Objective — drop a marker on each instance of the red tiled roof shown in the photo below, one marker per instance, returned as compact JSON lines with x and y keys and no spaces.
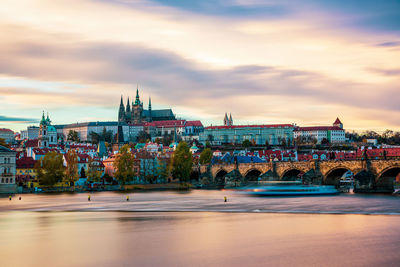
{"x":25,"y":163}
{"x":319,"y":128}
{"x":170,"y":123}
{"x":83,"y":158}
{"x":250,"y":126}
{"x":6,"y":130}
{"x":194,"y":123}
{"x":32,"y":143}
{"x":44,"y":151}
{"x":337,"y":121}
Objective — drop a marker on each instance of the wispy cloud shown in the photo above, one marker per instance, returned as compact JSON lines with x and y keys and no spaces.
{"x":263,"y":60}
{"x":17,"y":119}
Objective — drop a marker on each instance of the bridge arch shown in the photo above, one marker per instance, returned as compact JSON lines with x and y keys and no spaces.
{"x":291,"y":174}
{"x":385,"y":179}
{"x":252,"y":174}
{"x":333,"y":176}
{"x":220,"y":177}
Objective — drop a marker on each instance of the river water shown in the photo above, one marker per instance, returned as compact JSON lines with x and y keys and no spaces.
{"x":198,"y":228}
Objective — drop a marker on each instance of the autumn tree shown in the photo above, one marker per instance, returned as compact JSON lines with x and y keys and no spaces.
{"x":206,"y":156}
{"x":71,"y":171}
{"x":50,"y":169}
{"x":182,"y":162}
{"x":123,"y":165}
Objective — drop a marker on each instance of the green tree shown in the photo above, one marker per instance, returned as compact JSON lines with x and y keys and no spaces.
{"x":208,"y":145}
{"x":246,"y":143}
{"x":73,"y":136}
{"x":182,"y":162}
{"x":123,"y":165}
{"x":206,"y":156}
{"x":143,"y":137}
{"x":50,"y":169}
{"x":94,"y":137}
{"x":71,"y":172}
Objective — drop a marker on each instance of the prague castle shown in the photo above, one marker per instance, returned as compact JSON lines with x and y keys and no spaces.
{"x":136,"y":114}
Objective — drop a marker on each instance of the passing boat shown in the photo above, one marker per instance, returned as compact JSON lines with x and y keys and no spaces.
{"x":287,"y":188}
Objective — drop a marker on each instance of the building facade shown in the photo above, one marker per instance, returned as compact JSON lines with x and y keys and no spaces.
{"x":331,"y":134}
{"x":7,"y":170}
{"x":257,"y":134}
{"x":7,"y":135}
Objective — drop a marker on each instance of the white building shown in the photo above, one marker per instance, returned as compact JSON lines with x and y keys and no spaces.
{"x":7,"y":170}
{"x":130,"y":131}
{"x":7,"y":135}
{"x":333,"y":134}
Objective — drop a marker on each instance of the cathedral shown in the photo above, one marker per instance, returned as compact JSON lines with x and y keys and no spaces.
{"x":136,"y":114}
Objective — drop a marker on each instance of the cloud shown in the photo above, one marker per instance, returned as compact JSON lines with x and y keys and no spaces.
{"x":386,"y":72}
{"x":389,"y":44}
{"x":17,"y":119}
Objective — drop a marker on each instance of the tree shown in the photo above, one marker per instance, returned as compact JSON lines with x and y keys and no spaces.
{"x":143,"y":137}
{"x":208,"y":145}
{"x":246,"y":143}
{"x":73,"y":136}
{"x":71,"y":172}
{"x":205,"y":156}
{"x":123,"y":165}
{"x":324,"y":141}
{"x":182,"y":162}
{"x":94,"y":137}
{"x":50,"y":169}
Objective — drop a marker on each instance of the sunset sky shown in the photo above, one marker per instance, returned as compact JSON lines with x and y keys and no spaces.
{"x":304,"y":61}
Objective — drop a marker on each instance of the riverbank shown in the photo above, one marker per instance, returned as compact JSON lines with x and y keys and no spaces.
{"x":101,"y":188}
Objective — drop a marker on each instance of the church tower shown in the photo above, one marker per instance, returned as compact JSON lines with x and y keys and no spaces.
{"x":226,"y":122}
{"x":128,"y":114}
{"x":230,"y":119}
{"x":137,"y":109}
{"x":150,"y":117}
{"x":121,"y":113}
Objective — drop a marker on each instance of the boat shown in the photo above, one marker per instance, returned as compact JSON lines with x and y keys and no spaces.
{"x":287,"y":188}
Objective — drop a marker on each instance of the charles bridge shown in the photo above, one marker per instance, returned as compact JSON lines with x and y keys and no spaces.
{"x":369,"y":175}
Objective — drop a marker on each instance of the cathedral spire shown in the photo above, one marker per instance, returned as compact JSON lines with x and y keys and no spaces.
{"x":121,"y":112}
{"x":150,"y":115}
{"x":128,"y":106}
{"x":137,"y":100}
{"x":226,"y":122}
{"x":230,"y":119}
{"x":149,"y":102}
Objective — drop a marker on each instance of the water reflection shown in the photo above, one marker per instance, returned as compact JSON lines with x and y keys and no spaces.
{"x":196,"y":239}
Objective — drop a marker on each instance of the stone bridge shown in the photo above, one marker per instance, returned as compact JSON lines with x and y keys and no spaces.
{"x":369,"y":175}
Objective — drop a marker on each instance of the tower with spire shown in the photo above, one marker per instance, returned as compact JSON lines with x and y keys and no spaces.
{"x":137,"y":109}
{"x":230,"y":119}
{"x":47,"y":132}
{"x":150,"y":115}
{"x":121,"y":112}
{"x":226,"y":119}
{"x":128,"y":114}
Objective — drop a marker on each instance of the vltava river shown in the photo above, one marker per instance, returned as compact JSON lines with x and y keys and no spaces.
{"x":199,"y":229}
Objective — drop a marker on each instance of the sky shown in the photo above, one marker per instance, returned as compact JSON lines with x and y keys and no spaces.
{"x":266,"y":62}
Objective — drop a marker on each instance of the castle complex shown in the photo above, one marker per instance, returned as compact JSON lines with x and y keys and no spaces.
{"x":137,"y":114}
